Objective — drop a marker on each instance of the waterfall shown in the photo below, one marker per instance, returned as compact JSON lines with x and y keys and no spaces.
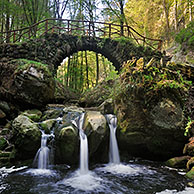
{"x":83,"y":144}
{"x":113,"y":150}
{"x":42,"y":158}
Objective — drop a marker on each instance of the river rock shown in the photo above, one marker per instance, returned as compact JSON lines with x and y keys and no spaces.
{"x":26,"y":82}
{"x":33,"y":114}
{"x":178,"y":162}
{"x":190,"y":163}
{"x":3,"y":143}
{"x":2,"y":114}
{"x":4,"y":106}
{"x":67,"y":145}
{"x":190,"y":174}
{"x":48,"y":125}
{"x":157,"y":124}
{"x":189,"y":147}
{"x":95,"y":127}
{"x":26,"y":137}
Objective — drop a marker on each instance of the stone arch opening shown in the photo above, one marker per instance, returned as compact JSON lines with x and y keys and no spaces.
{"x":85,"y":69}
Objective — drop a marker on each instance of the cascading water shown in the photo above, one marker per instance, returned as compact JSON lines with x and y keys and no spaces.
{"x":42,"y":157}
{"x":83,"y":145}
{"x":113,"y":150}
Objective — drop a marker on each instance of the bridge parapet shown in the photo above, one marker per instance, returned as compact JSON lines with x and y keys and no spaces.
{"x":78,"y":28}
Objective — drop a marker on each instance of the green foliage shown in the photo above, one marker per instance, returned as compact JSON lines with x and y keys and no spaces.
{"x":186,"y":36}
{"x":113,"y":75}
{"x":124,"y":40}
{"x":188,"y":126}
{"x":152,"y":77}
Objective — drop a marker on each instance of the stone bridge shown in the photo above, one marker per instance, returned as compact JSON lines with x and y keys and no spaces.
{"x":52,"y":48}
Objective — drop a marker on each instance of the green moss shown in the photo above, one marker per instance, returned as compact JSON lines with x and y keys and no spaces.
{"x":124,"y":40}
{"x":25,"y":64}
{"x":190,"y":174}
{"x":3,"y":143}
{"x":186,"y":36}
{"x":34,"y":114}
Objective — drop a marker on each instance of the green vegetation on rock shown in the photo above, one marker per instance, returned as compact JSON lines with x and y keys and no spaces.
{"x":186,"y":36}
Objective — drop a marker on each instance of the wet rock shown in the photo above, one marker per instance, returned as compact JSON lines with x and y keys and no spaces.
{"x":95,"y":126}
{"x":4,"y":106}
{"x":190,"y":174}
{"x":178,"y":162}
{"x":67,"y":145}
{"x":27,"y":83}
{"x":3,"y":143}
{"x":33,"y":114}
{"x":189,"y":147}
{"x":160,"y":124}
{"x":48,"y":125}
{"x":26,"y":137}
{"x":190,"y":163}
{"x":52,"y":113}
{"x":2,"y":114}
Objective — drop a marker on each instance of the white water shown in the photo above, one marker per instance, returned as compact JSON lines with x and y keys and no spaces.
{"x":42,"y":156}
{"x":113,"y":150}
{"x":83,"y":145}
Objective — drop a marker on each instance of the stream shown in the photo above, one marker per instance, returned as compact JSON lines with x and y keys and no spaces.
{"x":134,"y":177}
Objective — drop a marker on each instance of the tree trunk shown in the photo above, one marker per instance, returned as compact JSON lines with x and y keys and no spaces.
{"x":190,"y":5}
{"x":87,"y":72}
{"x":166,"y":12}
{"x":97,"y":69}
{"x":7,"y":24}
{"x":122,"y":16}
{"x":81,"y":73}
{"x":175,"y":15}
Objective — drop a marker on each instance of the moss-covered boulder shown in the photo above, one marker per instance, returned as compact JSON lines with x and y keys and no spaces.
{"x":190,"y":174}
{"x":33,"y":114}
{"x":178,"y":162}
{"x":67,"y":145}
{"x":47,"y":125}
{"x":3,"y":143}
{"x":149,"y":103}
{"x":28,"y":83}
{"x":26,"y":137}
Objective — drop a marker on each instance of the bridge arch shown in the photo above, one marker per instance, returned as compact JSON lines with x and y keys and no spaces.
{"x":52,"y":48}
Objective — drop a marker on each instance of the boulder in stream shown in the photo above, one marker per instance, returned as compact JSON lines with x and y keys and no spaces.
{"x":26,"y":137}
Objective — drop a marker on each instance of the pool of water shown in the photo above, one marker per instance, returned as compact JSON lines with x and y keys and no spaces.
{"x":133,"y":177}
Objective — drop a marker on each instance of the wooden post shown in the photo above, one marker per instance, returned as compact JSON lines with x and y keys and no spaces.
{"x":109,"y":30}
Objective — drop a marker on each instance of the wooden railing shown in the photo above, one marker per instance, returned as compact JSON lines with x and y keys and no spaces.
{"x":79,"y":28}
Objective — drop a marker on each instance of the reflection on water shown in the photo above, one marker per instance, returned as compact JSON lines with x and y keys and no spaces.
{"x":141,"y":177}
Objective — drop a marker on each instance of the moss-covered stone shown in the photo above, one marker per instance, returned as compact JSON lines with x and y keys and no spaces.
{"x":3,"y":143}
{"x":51,"y":114}
{"x":47,"y":125}
{"x":190,"y":174}
{"x":26,"y":136}
{"x":33,"y":114}
{"x":2,"y":114}
{"x":178,"y":162}
{"x":67,"y":145}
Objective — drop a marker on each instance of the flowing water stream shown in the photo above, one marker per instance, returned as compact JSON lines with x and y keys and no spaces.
{"x":132,"y":177}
